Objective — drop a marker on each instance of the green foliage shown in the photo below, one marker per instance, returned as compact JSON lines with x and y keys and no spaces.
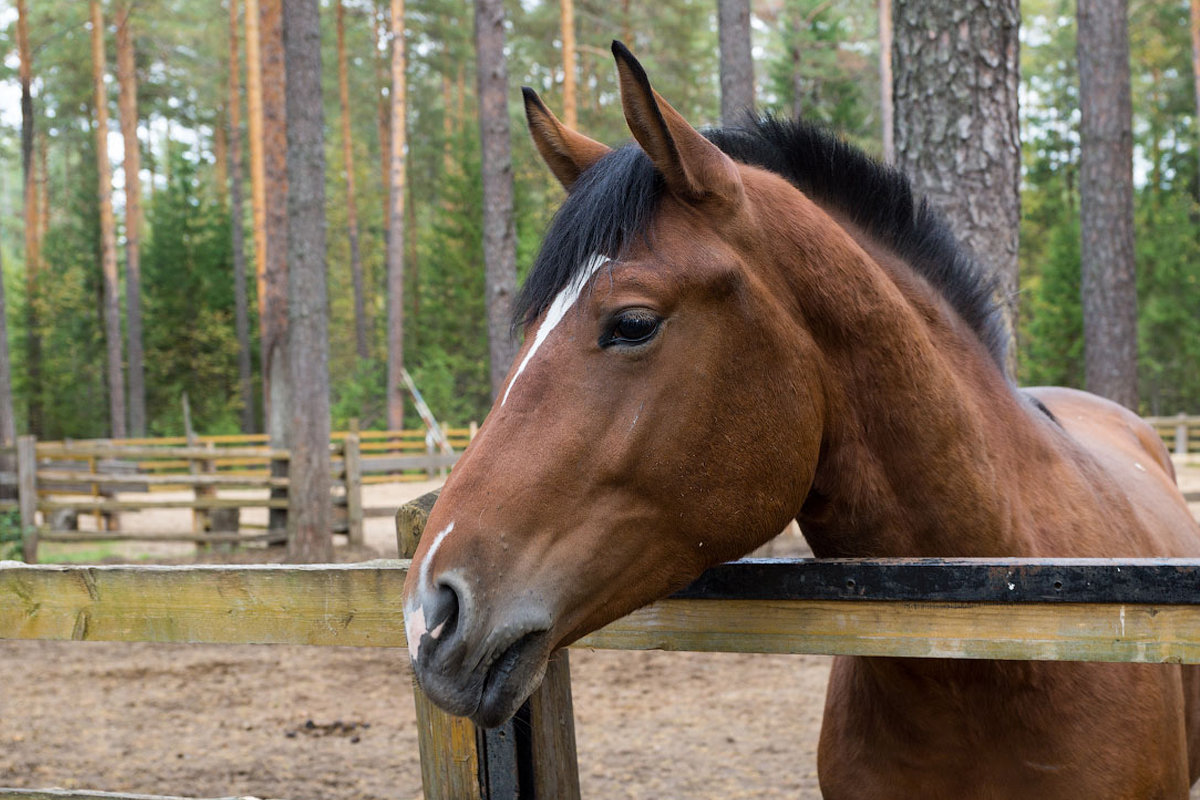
{"x":11,"y":538}
{"x":188,"y":307}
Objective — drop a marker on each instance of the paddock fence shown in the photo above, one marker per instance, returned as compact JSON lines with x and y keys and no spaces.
{"x":1135,"y":610}
{"x":57,"y":487}
{"x":1181,"y":433}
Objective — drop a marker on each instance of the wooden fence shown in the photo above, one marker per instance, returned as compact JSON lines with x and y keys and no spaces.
{"x":63,"y":481}
{"x":1181,"y":433}
{"x":1141,"y":610}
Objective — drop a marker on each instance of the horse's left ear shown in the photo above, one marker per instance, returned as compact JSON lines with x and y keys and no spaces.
{"x":694,"y":167}
{"x":568,"y":153}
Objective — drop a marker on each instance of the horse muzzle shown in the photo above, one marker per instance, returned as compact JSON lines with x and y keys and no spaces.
{"x":472,"y":661}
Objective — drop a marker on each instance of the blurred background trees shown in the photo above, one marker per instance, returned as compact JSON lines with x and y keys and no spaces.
{"x":814,"y":57}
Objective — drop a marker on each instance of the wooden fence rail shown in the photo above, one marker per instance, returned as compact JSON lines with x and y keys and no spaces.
{"x":1181,"y":433}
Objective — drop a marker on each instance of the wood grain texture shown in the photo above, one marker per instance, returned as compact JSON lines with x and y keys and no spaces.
{"x":359,"y":605}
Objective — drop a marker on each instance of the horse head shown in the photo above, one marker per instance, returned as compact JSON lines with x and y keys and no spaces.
{"x":631,"y":447}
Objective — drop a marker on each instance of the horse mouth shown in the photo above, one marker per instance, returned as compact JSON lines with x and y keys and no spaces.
{"x":511,"y":678}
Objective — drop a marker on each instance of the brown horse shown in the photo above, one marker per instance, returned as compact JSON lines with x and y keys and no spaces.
{"x":730,"y":331}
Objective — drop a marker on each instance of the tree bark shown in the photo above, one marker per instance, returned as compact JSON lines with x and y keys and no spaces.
{"x":8,"y":421}
{"x":108,"y":234}
{"x":309,"y":505}
{"x":356,"y":269}
{"x":127,"y":79}
{"x":396,"y":232}
{"x":258,"y":184}
{"x":737,"y":62}
{"x":33,"y":339}
{"x":383,"y":110}
{"x":237,"y":228}
{"x":275,"y":274}
{"x":887,"y":112}
{"x":1109,"y":285}
{"x":956,"y":126}
{"x":499,"y":233}
{"x":1195,"y":30}
{"x":570,"y":109}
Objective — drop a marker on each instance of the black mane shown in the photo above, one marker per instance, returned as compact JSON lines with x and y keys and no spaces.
{"x":615,"y":201}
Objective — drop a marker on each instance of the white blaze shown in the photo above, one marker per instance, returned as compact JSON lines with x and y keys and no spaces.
{"x":558,"y":309}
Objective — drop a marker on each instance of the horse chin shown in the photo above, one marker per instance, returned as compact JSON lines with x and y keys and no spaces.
{"x":491,"y":695}
{"x":512,"y":679}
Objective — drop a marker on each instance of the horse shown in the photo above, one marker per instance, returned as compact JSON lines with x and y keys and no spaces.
{"x":732,"y":330}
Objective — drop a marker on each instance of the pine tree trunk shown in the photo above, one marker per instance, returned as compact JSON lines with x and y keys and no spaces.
{"x":383,"y":109}
{"x":258,"y":181}
{"x":8,"y":420}
{"x":887,"y":113}
{"x":356,"y":270}
{"x":108,"y":234}
{"x":499,"y":233}
{"x":309,"y":505}
{"x":33,"y":230}
{"x":1109,"y":285}
{"x":956,"y":125}
{"x":396,"y":232}
{"x":277,"y":388}
{"x":1195,"y":29}
{"x":127,"y":80}
{"x":237,"y":229}
{"x":737,"y":62}
{"x":570,"y":110}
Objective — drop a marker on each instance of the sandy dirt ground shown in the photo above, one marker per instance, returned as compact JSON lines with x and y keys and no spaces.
{"x":332,"y":723}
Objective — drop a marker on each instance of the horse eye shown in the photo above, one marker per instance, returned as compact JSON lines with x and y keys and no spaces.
{"x":631,"y":328}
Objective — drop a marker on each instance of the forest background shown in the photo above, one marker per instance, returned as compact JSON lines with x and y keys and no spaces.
{"x":812,"y":57}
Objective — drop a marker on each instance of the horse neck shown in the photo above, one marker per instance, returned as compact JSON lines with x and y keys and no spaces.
{"x":921,"y":426}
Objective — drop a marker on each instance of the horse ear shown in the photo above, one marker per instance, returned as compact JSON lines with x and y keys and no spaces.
{"x":694,"y":167}
{"x":567,"y":152}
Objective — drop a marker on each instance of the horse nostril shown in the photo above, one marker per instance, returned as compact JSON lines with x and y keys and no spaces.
{"x":443,"y":612}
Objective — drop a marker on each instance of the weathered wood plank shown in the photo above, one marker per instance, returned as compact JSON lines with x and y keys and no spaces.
{"x":182,"y":480}
{"x":967,"y":580}
{"x":352,"y":461}
{"x":137,"y":505}
{"x":27,"y":498}
{"x":398,"y":463}
{"x":360,"y":605}
{"x":71,"y":794}
{"x":213,"y":537}
{"x":449,"y":752}
{"x":357,"y":604}
{"x":100,"y":450}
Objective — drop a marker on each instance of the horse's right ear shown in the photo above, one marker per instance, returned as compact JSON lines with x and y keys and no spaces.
{"x":567,"y":152}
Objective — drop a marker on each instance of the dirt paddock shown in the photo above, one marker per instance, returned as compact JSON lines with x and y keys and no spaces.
{"x":331,"y":723}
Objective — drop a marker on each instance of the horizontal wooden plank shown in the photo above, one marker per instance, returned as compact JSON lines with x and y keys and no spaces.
{"x":360,"y":605}
{"x":150,"y":505}
{"x":75,"y":794}
{"x":183,"y":479}
{"x":161,"y":536}
{"x":965,"y":580}
{"x":398,"y":463}
{"x":355,"y":604}
{"x":89,"y":450}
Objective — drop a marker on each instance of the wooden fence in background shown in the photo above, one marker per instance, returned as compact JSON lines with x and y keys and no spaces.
{"x":57,"y":483}
{"x":1180,"y":433}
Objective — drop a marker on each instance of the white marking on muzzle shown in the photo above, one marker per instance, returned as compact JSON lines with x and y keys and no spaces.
{"x":414,"y":617}
{"x":558,"y":309}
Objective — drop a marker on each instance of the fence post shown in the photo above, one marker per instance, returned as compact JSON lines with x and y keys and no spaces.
{"x":352,"y":462}
{"x":459,"y":760}
{"x":1181,"y":435}
{"x":201,"y":518}
{"x":27,"y":496}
